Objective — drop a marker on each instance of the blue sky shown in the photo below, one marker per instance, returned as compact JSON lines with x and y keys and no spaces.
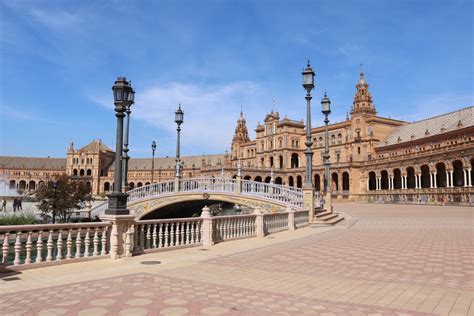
{"x":59,"y":59}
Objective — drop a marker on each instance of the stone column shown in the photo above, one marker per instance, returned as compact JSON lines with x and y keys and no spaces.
{"x":308,"y":200}
{"x":431,"y":180}
{"x":291,"y":218}
{"x":120,"y":246}
{"x":435,"y":180}
{"x":465,"y":177}
{"x":447,"y":179}
{"x":368,"y":184}
{"x":206,"y":228}
{"x":451,"y":178}
{"x":259,"y":229}
{"x":469,"y":180}
{"x":416,"y":181}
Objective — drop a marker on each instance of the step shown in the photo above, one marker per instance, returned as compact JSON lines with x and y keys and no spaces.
{"x":322,"y":214}
{"x":327,"y":217}
{"x":331,"y":222}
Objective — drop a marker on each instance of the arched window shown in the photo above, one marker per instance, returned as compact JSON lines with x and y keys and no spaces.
{"x":295,"y":162}
{"x":89,"y":172}
{"x":81,"y":173}
{"x":106,"y":187}
{"x":339,"y":138}
{"x":333,"y":139}
{"x":74,"y":172}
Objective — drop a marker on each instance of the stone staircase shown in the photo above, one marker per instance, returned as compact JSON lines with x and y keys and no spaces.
{"x":324,"y":217}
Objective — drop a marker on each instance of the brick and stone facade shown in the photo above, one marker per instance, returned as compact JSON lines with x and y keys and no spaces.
{"x":373,"y":158}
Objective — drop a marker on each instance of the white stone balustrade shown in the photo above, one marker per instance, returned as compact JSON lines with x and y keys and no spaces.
{"x":301,"y":219}
{"x":31,"y":244}
{"x":276,"y":222}
{"x":152,"y":235}
{"x":233,"y":227}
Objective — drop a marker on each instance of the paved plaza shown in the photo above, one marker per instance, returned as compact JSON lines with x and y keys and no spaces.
{"x":382,"y":260}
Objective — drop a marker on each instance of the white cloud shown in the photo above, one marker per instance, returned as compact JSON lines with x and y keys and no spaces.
{"x":55,"y":19}
{"x":210,"y":111}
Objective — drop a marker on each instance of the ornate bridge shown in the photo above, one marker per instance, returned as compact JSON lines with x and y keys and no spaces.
{"x":269,"y":197}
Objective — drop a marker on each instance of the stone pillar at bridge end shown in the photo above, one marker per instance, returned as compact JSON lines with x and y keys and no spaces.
{"x":206,"y":228}
{"x":308,"y":202}
{"x":120,"y":235}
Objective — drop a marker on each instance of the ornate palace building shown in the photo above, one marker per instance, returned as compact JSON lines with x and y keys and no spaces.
{"x":373,"y":158}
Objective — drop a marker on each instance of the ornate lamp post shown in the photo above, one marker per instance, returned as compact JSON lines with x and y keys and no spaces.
{"x":308,"y":84}
{"x":122,"y":96}
{"x":326,"y":110}
{"x":178,"y":118}
{"x":308,"y":190}
{"x":130,"y":101}
{"x":153,"y":148}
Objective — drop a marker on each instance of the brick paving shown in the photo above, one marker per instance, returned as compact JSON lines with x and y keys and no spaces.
{"x":384,"y":260}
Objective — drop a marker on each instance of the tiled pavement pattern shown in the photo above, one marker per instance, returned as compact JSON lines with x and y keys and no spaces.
{"x":393,"y":260}
{"x":146,"y":294}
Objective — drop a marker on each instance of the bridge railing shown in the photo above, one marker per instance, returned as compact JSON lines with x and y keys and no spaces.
{"x":207,"y":185}
{"x":29,"y":245}
{"x":287,"y":195}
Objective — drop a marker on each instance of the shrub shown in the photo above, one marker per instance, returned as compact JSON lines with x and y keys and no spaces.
{"x":17,"y":219}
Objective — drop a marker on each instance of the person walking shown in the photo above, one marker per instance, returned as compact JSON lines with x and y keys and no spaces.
{"x":19,"y":204}
{"x":4,"y":205}
{"x":15,"y":204}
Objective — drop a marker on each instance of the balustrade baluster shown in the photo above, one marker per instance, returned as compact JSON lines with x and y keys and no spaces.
{"x":135,"y":238}
{"x":142,"y":237}
{"x":160,"y":240}
{"x":188,"y":231}
{"x":183,"y":237}
{"x":78,"y":243}
{"x":29,"y":247}
{"x":59,"y":245}
{"x":69,"y":244}
{"x":148,"y":236}
{"x":178,"y":234}
{"x":17,"y":248}
{"x":193,"y":231}
{"x":154,"y":235}
{"x":166,"y":235}
{"x":39,"y":247}
{"x":5,"y":247}
{"x":95,"y":253}
{"x":172,"y":234}
{"x":50,"y":246}
{"x":87,"y":243}
{"x":104,"y":240}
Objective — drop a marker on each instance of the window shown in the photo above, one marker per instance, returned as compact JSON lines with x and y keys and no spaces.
{"x":358,"y":150}
{"x":339,"y":138}
{"x":333,"y":139}
{"x":320,"y":141}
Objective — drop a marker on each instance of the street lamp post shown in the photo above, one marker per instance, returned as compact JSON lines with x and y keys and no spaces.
{"x":308,"y":84}
{"x":125,"y":145}
{"x":326,"y":110}
{"x":123,"y":95}
{"x":178,"y":118}
{"x":153,"y":148}
{"x":308,"y":190}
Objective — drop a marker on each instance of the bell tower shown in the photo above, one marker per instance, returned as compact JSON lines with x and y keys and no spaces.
{"x":363,"y":98}
{"x":241,"y":136}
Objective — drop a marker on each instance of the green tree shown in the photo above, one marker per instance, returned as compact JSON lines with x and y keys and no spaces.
{"x":58,"y":199}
